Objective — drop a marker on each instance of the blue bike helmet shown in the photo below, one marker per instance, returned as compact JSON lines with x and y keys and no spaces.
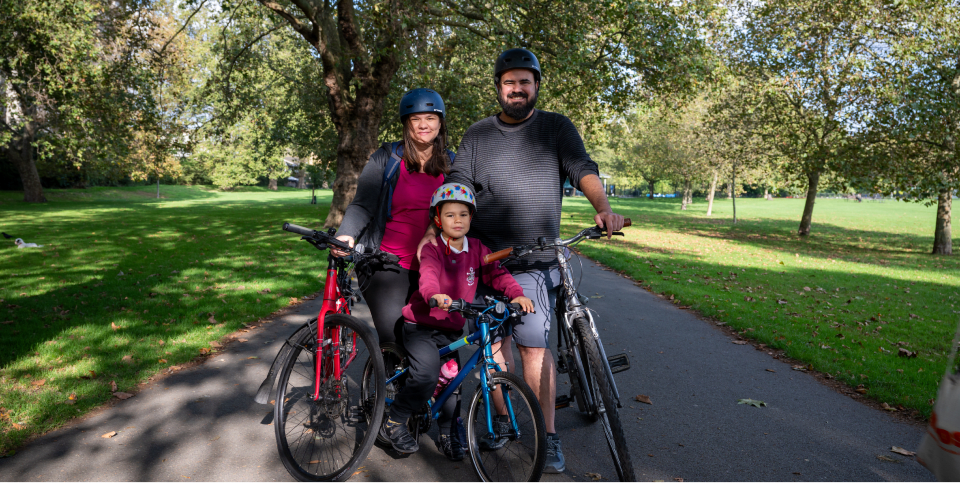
{"x":516,"y":59}
{"x":421,"y":100}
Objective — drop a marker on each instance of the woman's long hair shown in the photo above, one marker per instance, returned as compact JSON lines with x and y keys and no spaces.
{"x":439,"y":163}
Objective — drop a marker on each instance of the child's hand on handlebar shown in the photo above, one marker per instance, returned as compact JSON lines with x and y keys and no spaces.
{"x":443,"y":301}
{"x":338,"y":252}
{"x":524,"y":302}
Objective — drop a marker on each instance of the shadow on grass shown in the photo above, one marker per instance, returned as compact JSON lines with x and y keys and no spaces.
{"x":84,"y":325}
{"x":849,"y":325}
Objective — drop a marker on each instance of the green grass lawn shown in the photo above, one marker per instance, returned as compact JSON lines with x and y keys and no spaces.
{"x":127,"y":286}
{"x":845,"y":300}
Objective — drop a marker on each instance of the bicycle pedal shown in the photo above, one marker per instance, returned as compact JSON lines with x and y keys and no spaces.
{"x":618,"y":363}
{"x":563,"y":401}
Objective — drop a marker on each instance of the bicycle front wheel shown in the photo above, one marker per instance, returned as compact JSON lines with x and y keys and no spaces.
{"x":602,"y":389}
{"x":518,"y":455}
{"x":324,"y":438}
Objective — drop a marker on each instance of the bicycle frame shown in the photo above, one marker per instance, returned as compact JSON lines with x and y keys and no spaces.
{"x":488,"y":364}
{"x":333,"y":303}
{"x":575,"y":308}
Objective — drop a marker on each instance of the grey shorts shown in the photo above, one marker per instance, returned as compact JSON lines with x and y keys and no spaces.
{"x":542,"y":287}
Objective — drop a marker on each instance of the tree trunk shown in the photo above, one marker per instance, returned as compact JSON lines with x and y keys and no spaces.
{"x":729,"y":190}
{"x":712,"y":193}
{"x":807,"y":219}
{"x":766,"y":193}
{"x":158,"y":186}
{"x":272,"y":185}
{"x":651,"y":183}
{"x":302,"y":179}
{"x":942,"y":243}
{"x":733,"y":187}
{"x":21,"y":153}
{"x":686,"y":194}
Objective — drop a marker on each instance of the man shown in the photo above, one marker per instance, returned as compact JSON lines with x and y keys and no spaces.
{"x":516,"y":163}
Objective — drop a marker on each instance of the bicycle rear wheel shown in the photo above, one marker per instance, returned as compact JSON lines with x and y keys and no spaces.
{"x":325,"y":439}
{"x":602,"y":389}
{"x":523,"y":455}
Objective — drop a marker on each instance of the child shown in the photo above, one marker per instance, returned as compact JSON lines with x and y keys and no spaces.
{"x":448,"y":271}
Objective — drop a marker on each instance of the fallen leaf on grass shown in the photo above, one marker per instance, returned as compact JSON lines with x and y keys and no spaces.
{"x":212,"y":320}
{"x":109,"y":435}
{"x":887,"y":407}
{"x":592,"y":476}
{"x":163,"y":361}
{"x":39,"y":383}
{"x":127,"y":359}
{"x":752,"y":402}
{"x":123,"y":395}
{"x":642,"y":398}
{"x":6,"y":322}
{"x":861,"y":389}
{"x":115,"y":326}
{"x":906,"y":353}
{"x":887,"y":459}
{"x":899,"y":450}
{"x":204,"y":350}
{"x":113,"y":386}
{"x":740,"y":342}
{"x":214,"y":344}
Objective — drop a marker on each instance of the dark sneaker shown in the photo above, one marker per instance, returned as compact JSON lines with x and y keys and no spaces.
{"x":501,"y":425}
{"x":555,"y":462}
{"x":450,"y":447}
{"x":399,"y":436}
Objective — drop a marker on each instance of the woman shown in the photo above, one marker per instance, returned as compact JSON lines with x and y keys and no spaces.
{"x":390,"y":209}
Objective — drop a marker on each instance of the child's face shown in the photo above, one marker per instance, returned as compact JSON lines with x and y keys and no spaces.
{"x":454,"y":219}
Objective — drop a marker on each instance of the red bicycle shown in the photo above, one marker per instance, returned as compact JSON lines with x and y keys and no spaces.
{"x":325,"y":425}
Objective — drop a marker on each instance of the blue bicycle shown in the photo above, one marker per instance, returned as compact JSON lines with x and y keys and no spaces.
{"x":519,"y":451}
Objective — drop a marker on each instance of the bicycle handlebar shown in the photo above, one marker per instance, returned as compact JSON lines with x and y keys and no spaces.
{"x":298,"y":229}
{"x":467,"y":308}
{"x":324,"y":238}
{"x":519,"y":251}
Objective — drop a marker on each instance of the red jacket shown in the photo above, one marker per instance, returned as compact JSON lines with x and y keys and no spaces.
{"x":457,"y":275}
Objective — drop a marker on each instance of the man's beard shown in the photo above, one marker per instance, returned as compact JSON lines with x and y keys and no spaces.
{"x":518,"y":111}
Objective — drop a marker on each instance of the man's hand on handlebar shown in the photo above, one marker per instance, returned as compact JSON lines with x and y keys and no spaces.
{"x":443,"y":301}
{"x":346,"y":239}
{"x":524,"y":302}
{"x":609,"y":221}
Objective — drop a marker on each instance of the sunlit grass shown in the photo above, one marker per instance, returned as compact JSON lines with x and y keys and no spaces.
{"x":845,"y":300}
{"x":126,"y":286}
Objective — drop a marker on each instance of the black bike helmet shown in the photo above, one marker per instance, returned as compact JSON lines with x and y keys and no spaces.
{"x":516,"y":59}
{"x":421,"y":100}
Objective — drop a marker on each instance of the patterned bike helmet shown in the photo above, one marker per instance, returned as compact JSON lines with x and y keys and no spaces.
{"x":452,"y":192}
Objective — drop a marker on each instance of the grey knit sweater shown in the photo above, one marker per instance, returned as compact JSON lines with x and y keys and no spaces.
{"x":517,"y":173}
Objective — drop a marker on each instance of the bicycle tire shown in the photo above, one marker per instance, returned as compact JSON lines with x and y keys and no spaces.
{"x":392,"y":356}
{"x":579,"y":379}
{"x":609,"y":414}
{"x":520,"y":459}
{"x":325,"y":440}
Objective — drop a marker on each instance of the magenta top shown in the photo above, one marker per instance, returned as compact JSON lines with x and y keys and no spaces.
{"x":410,"y":215}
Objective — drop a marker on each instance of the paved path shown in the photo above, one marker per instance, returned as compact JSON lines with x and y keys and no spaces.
{"x":202,"y":424}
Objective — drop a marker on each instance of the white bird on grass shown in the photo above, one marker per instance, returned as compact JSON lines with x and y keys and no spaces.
{"x":21,"y":244}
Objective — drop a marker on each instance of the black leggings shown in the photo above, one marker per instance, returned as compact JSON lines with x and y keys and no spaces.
{"x":386,"y":292}
{"x":422,"y":344}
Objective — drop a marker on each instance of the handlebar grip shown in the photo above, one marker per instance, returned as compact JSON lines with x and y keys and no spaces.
{"x":500,"y":255}
{"x":626,"y":222}
{"x":432,"y":303}
{"x":298,"y":229}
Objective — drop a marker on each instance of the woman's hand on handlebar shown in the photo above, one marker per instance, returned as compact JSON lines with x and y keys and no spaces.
{"x":443,"y":301}
{"x":346,"y":239}
{"x":524,"y":302}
